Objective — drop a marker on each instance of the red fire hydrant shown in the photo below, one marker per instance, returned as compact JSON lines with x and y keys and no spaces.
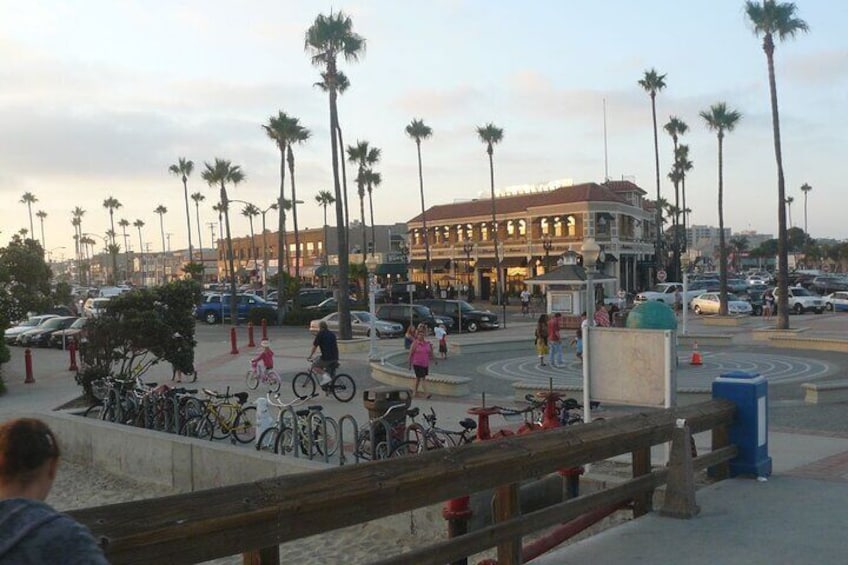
{"x":72,"y":351}
{"x":28,"y":367}
{"x":234,"y":348}
{"x":250,"y":342}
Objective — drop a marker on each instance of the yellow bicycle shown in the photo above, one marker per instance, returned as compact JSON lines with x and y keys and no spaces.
{"x":224,"y":415}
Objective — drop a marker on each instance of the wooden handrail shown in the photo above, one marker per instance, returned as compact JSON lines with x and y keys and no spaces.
{"x":204,"y":525}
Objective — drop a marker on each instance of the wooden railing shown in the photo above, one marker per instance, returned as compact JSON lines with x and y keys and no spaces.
{"x":255,"y":518}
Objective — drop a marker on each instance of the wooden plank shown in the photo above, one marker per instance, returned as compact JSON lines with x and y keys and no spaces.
{"x":641,"y":465}
{"x":507,"y":507}
{"x":720,"y":439}
{"x":224,"y":521}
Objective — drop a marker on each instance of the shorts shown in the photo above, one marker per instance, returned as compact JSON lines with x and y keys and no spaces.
{"x":420,"y":372}
{"x":443,"y":347}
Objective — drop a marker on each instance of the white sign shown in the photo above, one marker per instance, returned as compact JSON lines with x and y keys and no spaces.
{"x":410,"y":288}
{"x":661,"y":275}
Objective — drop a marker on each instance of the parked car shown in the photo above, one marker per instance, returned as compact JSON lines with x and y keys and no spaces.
{"x":75,"y":332}
{"x":472,"y":318}
{"x":827,"y":284}
{"x":754,"y":296}
{"x":802,"y":300}
{"x":736,"y":285}
{"x":709,"y":303}
{"x":11,"y":334}
{"x":360,"y":325}
{"x":400,"y":292}
{"x":836,"y":302}
{"x":216,"y":307}
{"x":331,"y":305}
{"x":405,"y":314}
{"x":307,"y":297}
{"x":94,"y":307}
{"x":40,"y":336}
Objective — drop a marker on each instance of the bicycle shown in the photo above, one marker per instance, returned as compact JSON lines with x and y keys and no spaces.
{"x":315,"y":433}
{"x":386,"y":436}
{"x":341,"y":385}
{"x":434,"y":437}
{"x":223,"y":417}
{"x":268,"y":376}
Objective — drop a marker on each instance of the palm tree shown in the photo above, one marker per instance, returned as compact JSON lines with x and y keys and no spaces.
{"x":198,"y":198}
{"x":653,"y":82}
{"x":341,"y":83}
{"x":373,"y":179}
{"x":789,"y":201}
{"x":42,"y":214}
{"x":769,"y":19}
{"x":490,"y":136}
{"x":284,"y":206}
{"x":250,"y":211}
{"x":805,"y":188}
{"x":362,"y":155}
{"x":138,"y":224}
{"x":739,"y":244}
{"x":219,"y":174}
{"x":162,"y":210}
{"x":418,"y":131}
{"x":297,"y":134}
{"x":76,"y":220}
{"x":123,"y":222}
{"x":29,"y":199}
{"x":324,"y":198}
{"x":183,"y":169}
{"x":720,"y":119}
{"x":112,"y":204}
{"x":676,"y":128}
{"x":683,"y":165}
{"x":278,"y":129}
{"x":327,"y":38}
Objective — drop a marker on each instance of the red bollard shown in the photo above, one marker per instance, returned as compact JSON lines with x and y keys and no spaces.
{"x":250,"y":342}
{"x":234,"y":349}
{"x":28,"y":364}
{"x":72,"y":351}
{"x":264,"y":329}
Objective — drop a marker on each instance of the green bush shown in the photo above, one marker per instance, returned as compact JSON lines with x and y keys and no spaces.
{"x":87,"y":376}
{"x":256,"y":315}
{"x":299,"y":317}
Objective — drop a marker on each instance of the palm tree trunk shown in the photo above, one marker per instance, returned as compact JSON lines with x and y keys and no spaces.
{"x":44,"y":244}
{"x":341,"y":225}
{"x":685,"y":216}
{"x":805,"y":218}
{"x":326,"y":253}
{"x":362,"y":222}
{"x":281,"y":239}
{"x":294,"y":217}
{"x":233,"y":299}
{"x":495,"y":231}
{"x":162,"y":231}
{"x":188,"y":220}
{"x":199,"y":237}
{"x":373,"y":238}
{"x":424,"y":219}
{"x":722,"y":248}
{"x":141,"y":256}
{"x":31,"y":228}
{"x":344,"y":177}
{"x":659,"y":259}
{"x":253,"y":246}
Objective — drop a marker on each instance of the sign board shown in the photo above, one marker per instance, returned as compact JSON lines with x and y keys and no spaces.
{"x":410,"y":288}
{"x":661,"y":275}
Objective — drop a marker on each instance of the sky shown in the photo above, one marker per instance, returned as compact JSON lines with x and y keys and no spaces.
{"x":98,"y":98}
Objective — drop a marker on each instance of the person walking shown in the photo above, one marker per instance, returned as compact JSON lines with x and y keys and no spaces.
{"x":525,"y":302}
{"x":542,"y":338}
{"x":555,"y":340}
{"x":31,"y":531}
{"x":768,"y":304}
{"x":420,"y":354}
{"x":409,"y":336}
{"x":577,"y":342}
{"x":442,"y":337}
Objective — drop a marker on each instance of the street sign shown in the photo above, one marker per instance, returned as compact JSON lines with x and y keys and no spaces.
{"x":661,"y":275}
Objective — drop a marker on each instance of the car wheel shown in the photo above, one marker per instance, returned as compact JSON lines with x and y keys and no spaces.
{"x":697,"y":309}
{"x":377,"y":333}
{"x":211,"y":318}
{"x":471,"y":326}
{"x":829,"y":307}
{"x":799,"y":309}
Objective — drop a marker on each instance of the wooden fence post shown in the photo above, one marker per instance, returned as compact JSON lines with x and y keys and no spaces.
{"x":641,"y":465}
{"x":507,"y":507}
{"x":679,"y":499}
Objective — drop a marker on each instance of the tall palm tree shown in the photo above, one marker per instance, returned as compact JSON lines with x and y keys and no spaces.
{"x":198,"y":198}
{"x":789,"y":201}
{"x":278,"y":129}
{"x":676,"y":128}
{"x":76,"y":220}
{"x":771,"y":19}
{"x":112,"y":204}
{"x":418,"y":131}
{"x":805,"y":188}
{"x":284,"y":206}
{"x":364,"y":156}
{"x":490,"y":136}
{"x":29,"y":199}
{"x":373,"y":179}
{"x":297,"y":134}
{"x":653,"y":82}
{"x":162,"y":210}
{"x":183,"y":169}
{"x":138,"y":224}
{"x":720,"y":119}
{"x":220,"y":173}
{"x":327,"y":38}
{"x":683,"y":165}
{"x":220,"y":210}
{"x":341,"y":83}
{"x":42,"y":214}
{"x":250,"y":211}
{"x":123,"y":222}
{"x":324,"y":198}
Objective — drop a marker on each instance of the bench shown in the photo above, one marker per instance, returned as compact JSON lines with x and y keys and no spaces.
{"x":827,"y":391}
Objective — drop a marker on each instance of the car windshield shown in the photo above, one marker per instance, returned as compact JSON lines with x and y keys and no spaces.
{"x":465,"y":306}
{"x":51,"y":324}
{"x":800,"y":291}
{"x":30,"y":323}
{"x":78,"y":324}
{"x":363,"y":316}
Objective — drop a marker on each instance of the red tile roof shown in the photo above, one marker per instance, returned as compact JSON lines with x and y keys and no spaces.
{"x":624,"y":186}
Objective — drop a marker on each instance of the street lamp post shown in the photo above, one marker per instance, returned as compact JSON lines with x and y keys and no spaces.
{"x":371,"y":264}
{"x":547,"y":245}
{"x":265,"y":252}
{"x":591,"y":251}
{"x":467,"y":247}
{"x":499,"y":256}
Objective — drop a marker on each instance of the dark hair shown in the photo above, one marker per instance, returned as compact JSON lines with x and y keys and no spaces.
{"x":25,"y":445}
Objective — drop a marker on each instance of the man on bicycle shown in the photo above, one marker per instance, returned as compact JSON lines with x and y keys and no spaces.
{"x":326,"y":341}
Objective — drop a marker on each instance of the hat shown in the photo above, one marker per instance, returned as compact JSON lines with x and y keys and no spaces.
{"x":264,"y":343}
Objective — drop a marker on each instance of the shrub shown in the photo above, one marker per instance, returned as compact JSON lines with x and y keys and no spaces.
{"x":256,"y":315}
{"x":87,"y":376}
{"x":299,"y":317}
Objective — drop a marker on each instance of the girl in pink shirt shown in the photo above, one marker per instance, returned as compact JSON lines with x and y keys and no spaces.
{"x":420,"y":353}
{"x":266,"y":356}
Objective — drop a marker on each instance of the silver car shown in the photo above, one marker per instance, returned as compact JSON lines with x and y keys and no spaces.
{"x":360,"y":324}
{"x":709,"y":303}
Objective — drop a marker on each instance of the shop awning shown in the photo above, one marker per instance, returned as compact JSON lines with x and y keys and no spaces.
{"x":390,"y":269}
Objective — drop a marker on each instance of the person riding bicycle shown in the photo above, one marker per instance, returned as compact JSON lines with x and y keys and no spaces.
{"x":266,"y":356}
{"x":326,"y":341}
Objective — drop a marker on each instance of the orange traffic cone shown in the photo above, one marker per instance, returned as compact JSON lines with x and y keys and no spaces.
{"x":696,"y":356}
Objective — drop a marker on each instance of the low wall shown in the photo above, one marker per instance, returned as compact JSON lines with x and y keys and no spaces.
{"x":704,"y":339}
{"x":766,"y":334}
{"x":814,"y":343}
{"x":725,"y":320}
{"x":395,"y":375}
{"x":355,"y":345}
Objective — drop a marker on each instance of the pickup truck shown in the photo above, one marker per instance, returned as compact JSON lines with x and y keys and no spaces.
{"x":215,"y":307}
{"x":664,"y":292}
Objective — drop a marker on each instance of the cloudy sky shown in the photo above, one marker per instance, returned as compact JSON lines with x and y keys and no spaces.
{"x":99,"y":97}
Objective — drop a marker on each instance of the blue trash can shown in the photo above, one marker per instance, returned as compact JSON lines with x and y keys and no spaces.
{"x":749,"y":431}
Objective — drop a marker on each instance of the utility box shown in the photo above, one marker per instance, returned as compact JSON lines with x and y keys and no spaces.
{"x":378,"y":400}
{"x":749,"y":431}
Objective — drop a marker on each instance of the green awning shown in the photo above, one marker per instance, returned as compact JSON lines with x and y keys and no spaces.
{"x":327,"y":270}
{"x":390,"y":269}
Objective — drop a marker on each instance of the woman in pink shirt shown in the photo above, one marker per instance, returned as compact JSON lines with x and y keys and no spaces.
{"x":420,"y":353}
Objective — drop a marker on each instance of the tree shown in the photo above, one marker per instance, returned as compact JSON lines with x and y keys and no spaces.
{"x":297,"y":134}
{"x":676,"y":128}
{"x":491,"y":136}
{"x":278,"y":129}
{"x":739,"y":244}
{"x":112,"y":204}
{"x":42,"y":214}
{"x":327,"y":38}
{"x":372,"y":179}
{"x":29,"y":199}
{"x":789,"y":201}
{"x":683,"y":166}
{"x":124,"y":223}
{"x":771,"y":19}
{"x":805,"y":188}
{"x":720,"y":119}
{"x":363,"y":156}
{"x":221,"y":173}
{"x":162,"y":210}
{"x":341,"y":83}
{"x":198,"y":198}
{"x":183,"y":169}
{"x":24,"y":279}
{"x":418,"y":131}
{"x":653,"y":82}
{"x":138,"y":224}
{"x":250,"y":211}
{"x":76,"y":220}
{"x":324,"y":198}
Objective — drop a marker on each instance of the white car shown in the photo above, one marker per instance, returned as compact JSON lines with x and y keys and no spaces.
{"x":94,"y":307}
{"x":709,"y":303}
{"x":836,"y":302}
{"x":802,"y":300}
{"x":11,"y":335}
{"x":360,"y":324}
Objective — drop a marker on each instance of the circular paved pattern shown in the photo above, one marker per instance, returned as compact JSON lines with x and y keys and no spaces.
{"x":776,"y":369}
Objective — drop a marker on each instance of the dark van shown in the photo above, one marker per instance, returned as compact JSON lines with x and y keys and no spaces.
{"x":399,"y":292}
{"x":471,"y":318}
{"x":414,"y":313}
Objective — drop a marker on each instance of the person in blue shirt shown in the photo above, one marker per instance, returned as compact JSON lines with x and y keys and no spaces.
{"x":325,"y":340}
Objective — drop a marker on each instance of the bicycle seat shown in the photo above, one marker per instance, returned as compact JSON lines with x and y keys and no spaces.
{"x":570,"y":404}
{"x":413,"y":412}
{"x":303,"y":412}
{"x":468,"y":424}
{"x":315,"y":407}
{"x":241,"y":397}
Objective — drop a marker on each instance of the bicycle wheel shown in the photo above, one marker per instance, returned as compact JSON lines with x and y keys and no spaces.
{"x":331,"y":439}
{"x":251,"y":378}
{"x":274,"y":381}
{"x":415,"y":433}
{"x":362,"y":450}
{"x":343,"y":387}
{"x":217,"y":416}
{"x":381,"y":451}
{"x":405,"y":448}
{"x":198,"y":427}
{"x":285,"y":438}
{"x":268,"y":440}
{"x":244,"y":430}
{"x":303,"y":385}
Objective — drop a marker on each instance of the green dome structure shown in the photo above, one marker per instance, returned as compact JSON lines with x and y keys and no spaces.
{"x":652,"y":315}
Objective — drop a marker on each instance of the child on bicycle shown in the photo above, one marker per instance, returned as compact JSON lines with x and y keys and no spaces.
{"x":266,"y":356}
